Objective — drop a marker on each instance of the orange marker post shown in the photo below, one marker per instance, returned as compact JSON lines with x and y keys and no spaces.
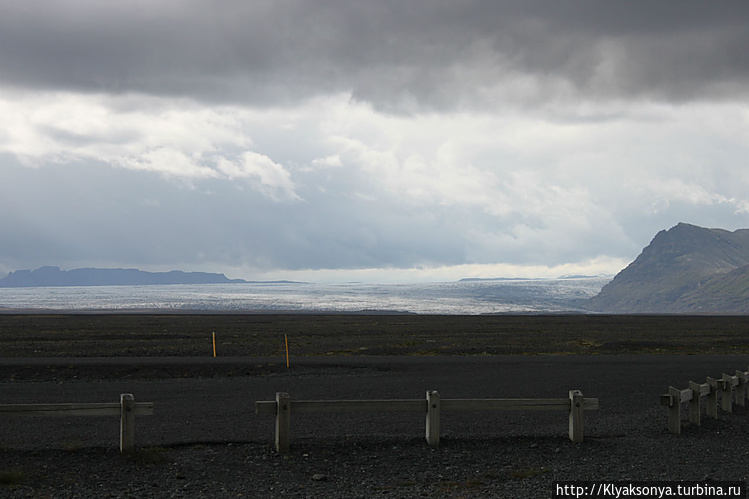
{"x":214,"y":344}
{"x":286,"y":337}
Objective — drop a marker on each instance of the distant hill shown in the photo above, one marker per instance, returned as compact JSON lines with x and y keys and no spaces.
{"x":484,"y":279}
{"x":687,"y":269}
{"x":561,"y":277}
{"x":53,"y":276}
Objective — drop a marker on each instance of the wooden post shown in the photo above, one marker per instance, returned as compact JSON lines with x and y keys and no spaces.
{"x":741,"y":389}
{"x":433,"y":419}
{"x":283,"y":422}
{"x":711,"y":402}
{"x":694,"y":404}
{"x":726,"y":401}
{"x":127,"y":422}
{"x":674,"y":411}
{"x":576,"y":416}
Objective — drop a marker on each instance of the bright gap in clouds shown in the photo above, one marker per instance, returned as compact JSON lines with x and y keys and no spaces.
{"x":599,"y":267}
{"x":333,"y":190}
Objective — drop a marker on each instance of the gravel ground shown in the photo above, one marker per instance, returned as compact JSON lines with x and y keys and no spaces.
{"x":206,"y":441}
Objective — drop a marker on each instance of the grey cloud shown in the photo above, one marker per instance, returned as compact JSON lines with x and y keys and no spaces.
{"x":90,"y":214}
{"x":400,"y":56}
{"x":422,"y":54}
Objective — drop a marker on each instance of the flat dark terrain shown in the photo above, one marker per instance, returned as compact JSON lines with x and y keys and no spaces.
{"x":188,"y":335}
{"x":206,"y":441}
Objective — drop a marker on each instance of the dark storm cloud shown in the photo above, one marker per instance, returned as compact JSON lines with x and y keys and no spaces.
{"x":397,"y":55}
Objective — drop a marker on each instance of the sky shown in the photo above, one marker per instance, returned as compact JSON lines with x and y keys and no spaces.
{"x":352,"y":140}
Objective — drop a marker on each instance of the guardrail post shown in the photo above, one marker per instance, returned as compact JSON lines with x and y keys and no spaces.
{"x":674,"y":411}
{"x":127,"y":422}
{"x":727,"y":395}
{"x":283,"y":422}
{"x":694,"y":404}
{"x":741,"y":389}
{"x":576,"y":416}
{"x":711,"y":405}
{"x":433,"y":419}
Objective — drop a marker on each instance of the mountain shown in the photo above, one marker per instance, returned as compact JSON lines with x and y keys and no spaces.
{"x":727,"y":293}
{"x":686,"y":269}
{"x":53,"y":276}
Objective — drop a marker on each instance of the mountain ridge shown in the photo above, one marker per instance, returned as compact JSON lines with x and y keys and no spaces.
{"x":686,"y":269}
{"x":53,"y":276}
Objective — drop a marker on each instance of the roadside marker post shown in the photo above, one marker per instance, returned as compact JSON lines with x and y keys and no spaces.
{"x":286,"y":338}
{"x":214,"y":344}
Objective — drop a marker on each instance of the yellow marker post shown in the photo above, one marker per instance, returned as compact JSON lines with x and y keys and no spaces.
{"x":214,"y":344}
{"x":286,"y":337}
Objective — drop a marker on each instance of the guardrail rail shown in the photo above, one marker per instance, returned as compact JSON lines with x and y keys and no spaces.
{"x":284,"y":407}
{"x":127,"y":409}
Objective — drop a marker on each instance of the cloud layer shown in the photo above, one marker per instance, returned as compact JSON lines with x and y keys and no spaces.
{"x":341,"y":138}
{"x":423,"y":55}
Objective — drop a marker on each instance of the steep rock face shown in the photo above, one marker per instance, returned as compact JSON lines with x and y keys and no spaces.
{"x":686,"y":269}
{"x":725,"y":293}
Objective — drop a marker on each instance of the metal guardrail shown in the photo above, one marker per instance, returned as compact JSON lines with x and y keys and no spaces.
{"x":727,"y":389}
{"x":127,"y":409}
{"x":283,"y":407}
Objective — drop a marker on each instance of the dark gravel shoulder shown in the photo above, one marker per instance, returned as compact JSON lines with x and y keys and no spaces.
{"x":206,"y":441}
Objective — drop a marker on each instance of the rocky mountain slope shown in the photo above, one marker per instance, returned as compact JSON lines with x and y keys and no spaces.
{"x":687,"y":269}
